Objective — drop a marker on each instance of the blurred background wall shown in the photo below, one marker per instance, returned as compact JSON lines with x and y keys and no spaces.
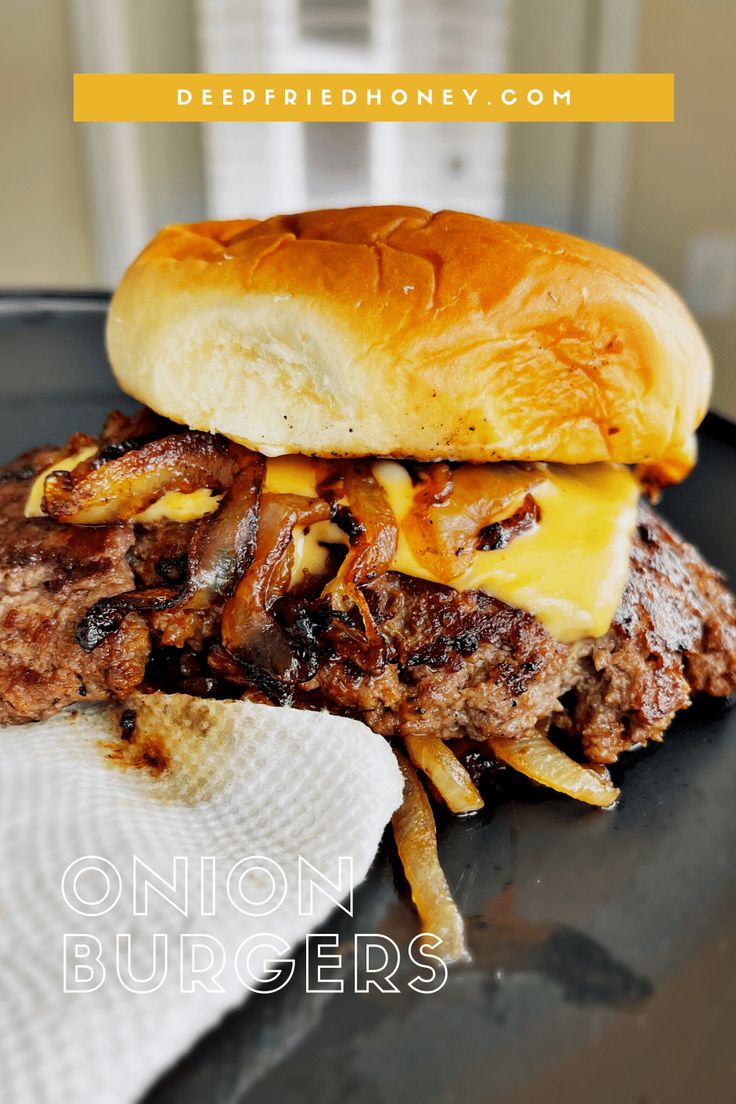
{"x":681,"y":194}
{"x":77,"y":202}
{"x":47,"y":229}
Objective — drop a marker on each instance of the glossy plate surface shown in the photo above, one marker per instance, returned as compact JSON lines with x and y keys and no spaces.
{"x":604,"y":953}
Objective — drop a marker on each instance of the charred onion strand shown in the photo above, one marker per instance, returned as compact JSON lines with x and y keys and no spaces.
{"x":224,"y":543}
{"x":442,"y":767}
{"x":121,"y":434}
{"x":534,"y":755}
{"x":372,"y":548}
{"x":107,"y":615}
{"x":499,"y":534}
{"x":416,"y":842}
{"x":99,"y":493}
{"x":451,"y":507}
{"x":249,"y":631}
{"x":219,"y":553}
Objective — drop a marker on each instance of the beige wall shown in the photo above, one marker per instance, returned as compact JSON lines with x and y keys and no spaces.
{"x":681,"y":182}
{"x":683,"y":174}
{"x":45,"y":233}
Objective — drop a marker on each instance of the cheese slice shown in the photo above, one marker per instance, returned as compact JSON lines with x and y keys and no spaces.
{"x":569,"y":571}
{"x":180,"y":506}
{"x":291,"y":475}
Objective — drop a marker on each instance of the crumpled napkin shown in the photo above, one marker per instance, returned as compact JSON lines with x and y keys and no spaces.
{"x":193,"y":778}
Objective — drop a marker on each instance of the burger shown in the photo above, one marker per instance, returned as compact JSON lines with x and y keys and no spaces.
{"x":395,"y":465}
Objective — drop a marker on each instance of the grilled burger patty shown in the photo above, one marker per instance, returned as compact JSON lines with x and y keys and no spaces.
{"x":454,"y":664}
{"x":49,"y":575}
{"x":465,"y":664}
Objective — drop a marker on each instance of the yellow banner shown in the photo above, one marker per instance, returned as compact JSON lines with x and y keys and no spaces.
{"x":374,"y":97}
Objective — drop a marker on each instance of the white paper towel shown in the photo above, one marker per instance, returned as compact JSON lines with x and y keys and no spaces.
{"x":222,"y":781}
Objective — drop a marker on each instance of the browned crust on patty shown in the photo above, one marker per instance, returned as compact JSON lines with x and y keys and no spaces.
{"x":468,"y":665}
{"x":456,"y":665}
{"x":49,"y":576}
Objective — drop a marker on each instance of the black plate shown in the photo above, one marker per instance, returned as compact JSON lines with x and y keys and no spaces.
{"x":604,"y":957}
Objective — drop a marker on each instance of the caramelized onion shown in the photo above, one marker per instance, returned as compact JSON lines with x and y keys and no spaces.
{"x":121,"y":433}
{"x":107,"y":615}
{"x":451,"y":508}
{"x":499,"y":534}
{"x":220,"y":550}
{"x":372,"y":547}
{"x":249,"y":631}
{"x":534,"y":755}
{"x":416,"y":842}
{"x":445,"y":771}
{"x":100,"y":492}
{"x":224,"y":543}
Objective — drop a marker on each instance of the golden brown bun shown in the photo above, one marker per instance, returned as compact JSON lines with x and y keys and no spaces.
{"x":389,"y":331}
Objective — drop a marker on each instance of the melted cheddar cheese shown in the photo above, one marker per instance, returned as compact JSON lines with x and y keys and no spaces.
{"x":569,"y":571}
{"x":178,"y":506}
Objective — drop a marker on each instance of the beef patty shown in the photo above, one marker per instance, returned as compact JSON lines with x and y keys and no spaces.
{"x":465,"y":664}
{"x":49,"y":575}
{"x":455,"y":664}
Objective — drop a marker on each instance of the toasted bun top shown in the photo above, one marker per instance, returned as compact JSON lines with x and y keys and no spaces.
{"x":390,"y":331}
